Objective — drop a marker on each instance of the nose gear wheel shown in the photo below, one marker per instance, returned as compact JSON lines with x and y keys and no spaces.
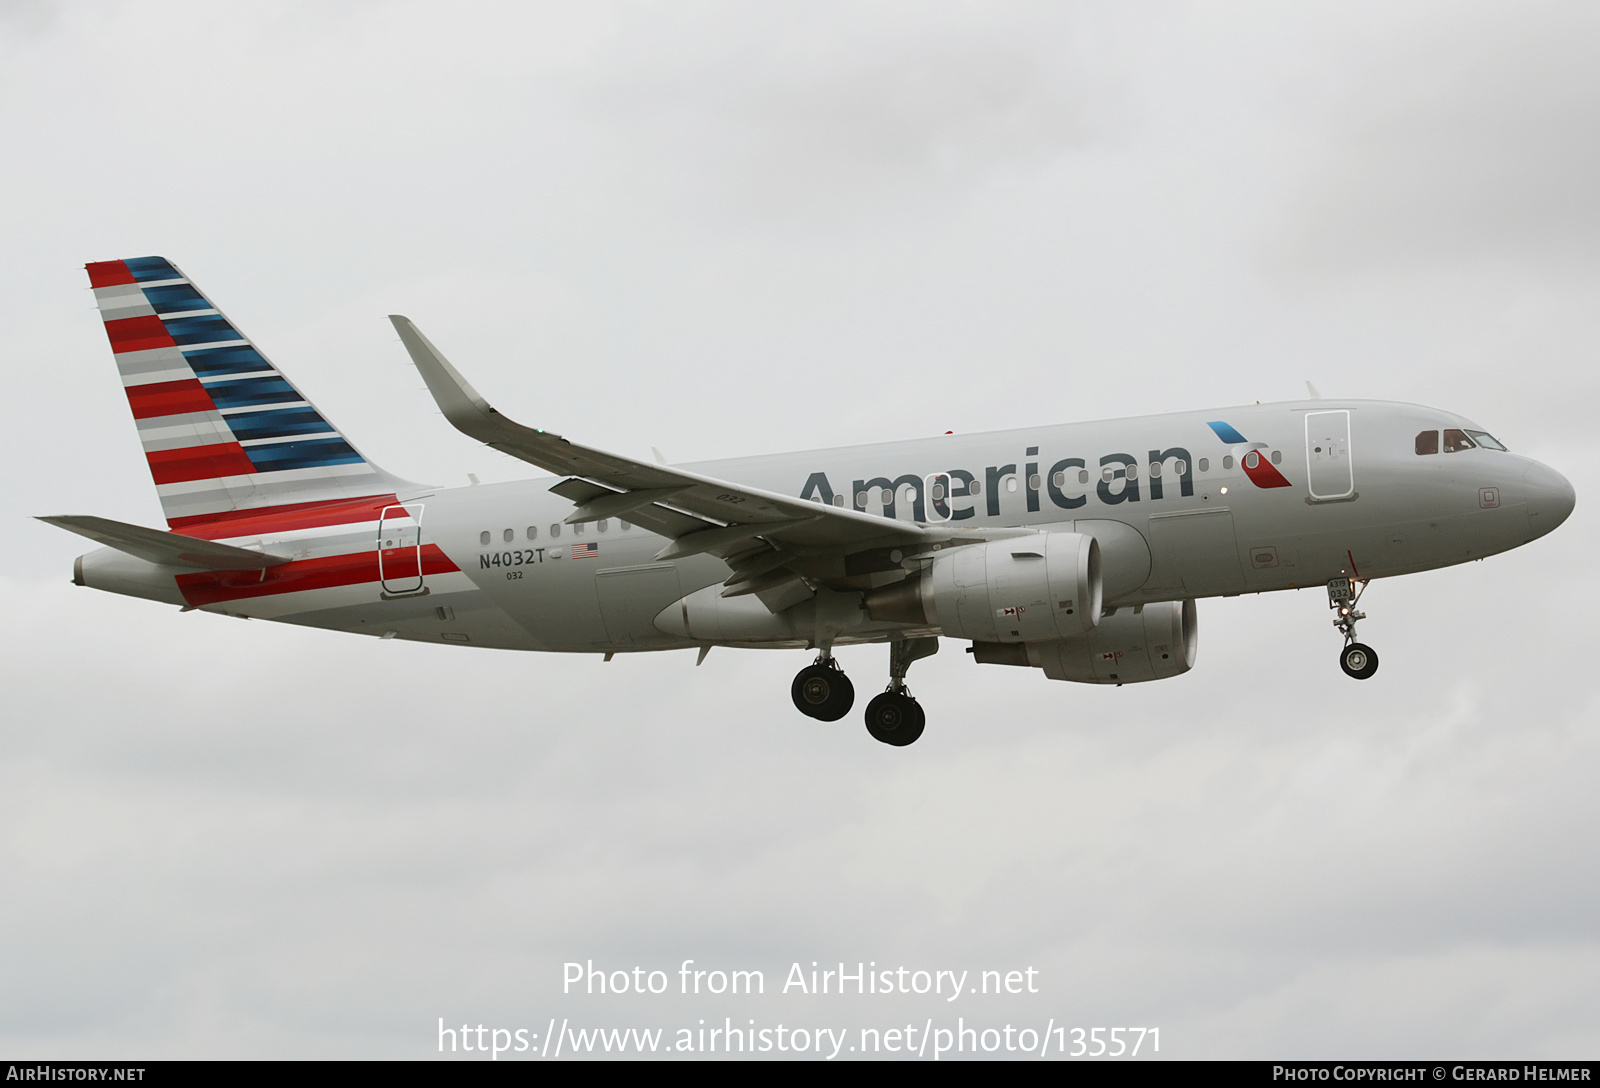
{"x":1358,"y":660}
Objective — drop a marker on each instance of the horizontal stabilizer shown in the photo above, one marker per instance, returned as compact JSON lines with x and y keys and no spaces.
{"x":164,"y":548}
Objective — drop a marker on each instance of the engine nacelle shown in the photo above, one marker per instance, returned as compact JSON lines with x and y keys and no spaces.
{"x":1149,"y":642}
{"x":1024,"y":589}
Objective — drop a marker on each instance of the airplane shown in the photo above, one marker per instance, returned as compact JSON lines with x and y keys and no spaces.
{"x":1077,"y":549}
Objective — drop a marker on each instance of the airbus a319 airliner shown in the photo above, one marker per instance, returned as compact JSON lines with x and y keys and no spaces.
{"x":1078,"y":550}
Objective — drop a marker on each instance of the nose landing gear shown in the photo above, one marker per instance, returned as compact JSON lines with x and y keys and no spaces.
{"x":1358,"y":660}
{"x":821,"y":690}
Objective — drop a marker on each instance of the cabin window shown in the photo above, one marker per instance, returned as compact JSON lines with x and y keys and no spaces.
{"x":1277,"y":457}
{"x":577,"y":530}
{"x":1059,"y":479}
{"x":1035,"y":481}
{"x":602,"y":525}
{"x":533,"y":532}
{"x":1456,"y":441}
{"x":1108,"y":474}
{"x":838,"y":500}
{"x":626,"y":526}
{"x":1252,"y":459}
{"x":555,"y":529}
{"x":1427,"y":442}
{"x":1227,"y":462}
{"x":1083,"y":475}
{"x":483,"y":538}
{"x":975,"y":487}
{"x":1011,"y":483}
{"x":1133,"y":472}
{"x":1155,"y":470}
{"x":508,"y":536}
{"x":1205,"y":465}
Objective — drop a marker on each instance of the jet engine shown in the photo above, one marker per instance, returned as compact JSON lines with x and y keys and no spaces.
{"x":1023,"y":589}
{"x":1133,"y":644}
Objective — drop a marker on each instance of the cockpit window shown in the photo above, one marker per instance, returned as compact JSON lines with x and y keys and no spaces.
{"x":1486,"y":440}
{"x":1456,"y":441}
{"x":1427,"y":442}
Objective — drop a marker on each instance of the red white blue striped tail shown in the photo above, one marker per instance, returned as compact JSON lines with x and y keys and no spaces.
{"x":223,"y":430}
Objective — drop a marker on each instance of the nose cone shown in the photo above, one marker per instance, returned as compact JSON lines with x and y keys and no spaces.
{"x":1550,"y":498}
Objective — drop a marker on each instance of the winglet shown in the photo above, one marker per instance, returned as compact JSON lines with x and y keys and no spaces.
{"x":461,"y":404}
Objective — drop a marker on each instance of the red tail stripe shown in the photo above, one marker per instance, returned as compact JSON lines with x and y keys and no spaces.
{"x":169,"y":398}
{"x":200,"y":463}
{"x":138,"y":334}
{"x":267,"y":519}
{"x":212,"y":587}
{"x":108,"y":273}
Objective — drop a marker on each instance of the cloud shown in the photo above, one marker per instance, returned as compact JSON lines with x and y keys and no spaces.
{"x":800,"y":116}
{"x":1471,"y":138}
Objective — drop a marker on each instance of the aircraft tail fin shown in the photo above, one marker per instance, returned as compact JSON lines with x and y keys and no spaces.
{"x":223,"y":429}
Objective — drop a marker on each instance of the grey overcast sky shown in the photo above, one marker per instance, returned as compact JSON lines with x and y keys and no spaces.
{"x":725,"y":228}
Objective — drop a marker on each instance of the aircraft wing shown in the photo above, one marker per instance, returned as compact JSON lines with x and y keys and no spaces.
{"x":767,"y":537}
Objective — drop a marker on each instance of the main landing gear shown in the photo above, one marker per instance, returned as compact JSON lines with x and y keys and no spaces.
{"x":1358,"y":660}
{"x":894,"y":717}
{"x":821,"y":690}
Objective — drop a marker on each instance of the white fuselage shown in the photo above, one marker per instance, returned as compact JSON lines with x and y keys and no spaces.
{"x":1177,"y":510}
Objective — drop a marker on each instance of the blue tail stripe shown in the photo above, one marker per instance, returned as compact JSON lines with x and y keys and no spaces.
{"x":241,"y":359}
{"x":200,"y":330}
{"x":312,"y":453}
{"x":151,"y":268}
{"x":243,"y":394}
{"x":279,"y":423}
{"x":175,"y":298}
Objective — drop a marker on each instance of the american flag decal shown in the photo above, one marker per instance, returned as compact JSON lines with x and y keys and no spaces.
{"x":585,"y":551}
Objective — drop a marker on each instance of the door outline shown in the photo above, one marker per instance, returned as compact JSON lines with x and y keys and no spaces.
{"x":400,"y":551}
{"x":1328,"y":455}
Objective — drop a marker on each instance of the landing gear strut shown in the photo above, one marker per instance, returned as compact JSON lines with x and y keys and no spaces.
{"x":894,"y":717}
{"x":1358,"y":660}
{"x":821,"y":690}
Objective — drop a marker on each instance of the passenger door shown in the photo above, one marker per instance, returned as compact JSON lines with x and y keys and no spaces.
{"x":400,"y":550}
